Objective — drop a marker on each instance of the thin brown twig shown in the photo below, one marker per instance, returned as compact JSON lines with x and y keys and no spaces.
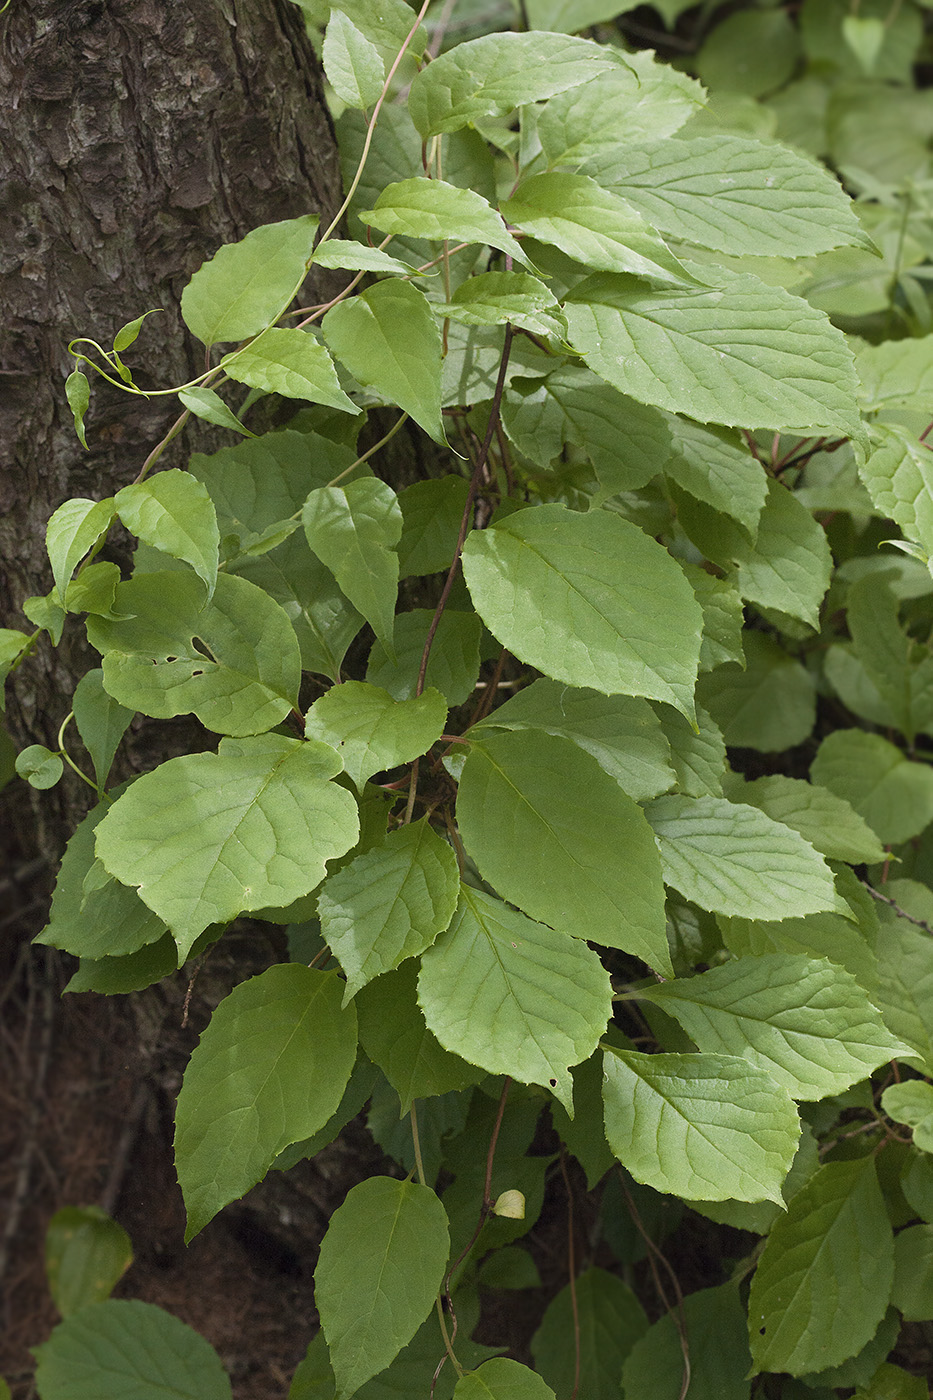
{"x":572,"y":1272}
{"x":893,"y":904}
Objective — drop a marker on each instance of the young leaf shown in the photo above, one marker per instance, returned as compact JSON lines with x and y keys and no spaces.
{"x":124,"y":1347}
{"x":373,"y":732}
{"x":389,"y":903}
{"x":806,"y":1021}
{"x":78,"y":394}
{"x":127,"y":334}
{"x":204,"y":403}
{"x":381,"y":1263}
{"x":893,"y":794}
{"x":100,"y":721}
{"x":589,"y":864}
{"x":828,"y":822}
{"x":823,"y":1282}
{"x":605,"y":1320}
{"x":896,"y":373}
{"x":739,"y":352}
{"x":912,"y":1103}
{"x":237,"y":1112}
{"x":363,"y":332}
{"x":732,"y":859}
{"x":716,"y":1328}
{"x":502,"y":1379}
{"x":291,"y":363}
{"x":722,"y":618}
{"x":39,"y":766}
{"x":513,"y":996}
{"x":595,"y":226}
{"x":706,"y":1127}
{"x":207,"y":836}
{"x":358,"y":257}
{"x":246,"y":286}
{"x":492,"y":298}
{"x":173,"y":512}
{"x":422,"y":208}
{"x":73,"y":530}
{"x":353,"y":530}
{"x":590,"y":600}
{"x":353,"y":65}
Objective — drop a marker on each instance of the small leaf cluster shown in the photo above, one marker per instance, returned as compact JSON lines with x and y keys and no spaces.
{"x":590,"y":774}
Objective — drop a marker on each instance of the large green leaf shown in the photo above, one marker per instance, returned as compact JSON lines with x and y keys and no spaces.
{"x":247,"y":285}
{"x":173,"y":512}
{"x":422,"y":208}
{"x":806,"y":1021}
{"x":124,"y":1347}
{"x":353,"y":529}
{"x":828,"y":822}
{"x":381,"y":1264}
{"x":604,"y":1321}
{"x":371,"y":731}
{"x":590,"y":600}
{"x":912,"y":1292}
{"x":489,"y":76}
{"x":622,"y":733}
{"x":269,"y":1070}
{"x":389,"y":903}
{"x":364,"y":332}
{"x":73,"y":530}
{"x":207,"y":836}
{"x":904,"y":990}
{"x":502,"y":1379}
{"x":823,"y":1282}
{"x":789,"y":565}
{"x":738,"y":352}
{"x":589,"y":864}
{"x":716,"y":1328}
{"x":706,"y":1127}
{"x":513,"y":996}
{"x":234,"y":661}
{"x":892,"y":793}
{"x":292,"y":363}
{"x":716,"y":468}
{"x":733,"y":859}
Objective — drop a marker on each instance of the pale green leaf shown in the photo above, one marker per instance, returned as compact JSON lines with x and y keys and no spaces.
{"x":74,"y":529}
{"x":453,"y":666}
{"x":590,"y":600}
{"x":769,"y":706}
{"x":40,"y":767}
{"x":292,"y":363}
{"x":896,"y":373}
{"x":733,"y":859}
{"x":904,"y":989}
{"x":123,"y":1347}
{"x":364,"y":332}
{"x":621,"y":732}
{"x":589,"y":864}
{"x":723,"y":618}
{"x":789,"y":565}
{"x":892,"y":793}
{"x":825,"y":935}
{"x":827,"y":821}
{"x":492,"y":298}
{"x":698,"y":757}
{"x":246,"y":286}
{"x":715,"y":467}
{"x":570,"y":16}
{"x":204,"y":403}
{"x":381,"y":1264}
{"x":78,"y":394}
{"x":752,"y":52}
{"x":353,"y":65}
{"x":719,"y":1360}
{"x":358,"y":257}
{"x":100,"y":721}
{"x":269,"y":1070}
{"x":371,"y":731}
{"x":823,"y":1282}
{"x":353,"y":529}
{"x":912,"y":1292}
{"x":912,"y":1103}
{"x":434,"y":209}
{"x":706,"y":1127}
{"x":207,"y":836}
{"x":805,"y":1021}
{"x":173,"y":512}
{"x":86,"y":1255}
{"x":738,"y":352}
{"x":898,"y":475}
{"x":389,"y":903}
{"x":127,"y":334}
{"x":502,"y":1379}
{"x":896,"y":666}
{"x":514,"y":996}
{"x":606,"y":1318}
{"x":234,"y":661}
{"x":432,"y":512}
{"x":93,"y":590}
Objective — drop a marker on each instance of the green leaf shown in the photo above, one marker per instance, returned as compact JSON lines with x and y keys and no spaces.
{"x":698,"y":757}
{"x":590,"y":600}
{"x":363,"y":332}
{"x":492,"y":298}
{"x":893,"y":794}
{"x":621,"y":732}
{"x":823,"y":1282}
{"x":173,"y":512}
{"x":789,"y":565}
{"x":381,"y":1263}
{"x":722,"y":618}
{"x":900,"y":668}
{"x":769,"y":706}
{"x":570,"y":16}
{"x":733,"y":859}
{"x":434,"y":209}
{"x":269,"y":1070}
{"x":827,"y":821}
{"x":371,"y":731}
{"x":912,"y":1103}
{"x":353,"y":530}
{"x":127,"y":334}
{"x":346,"y":253}
{"x":292,"y":363}
{"x":904,"y":990}
{"x":242,"y":678}
{"x":605,"y":1321}
{"x":913,"y":1271}
{"x":719,"y":1360}
{"x":123,"y":1347}
{"x":514,"y":996}
{"x":573,"y":407}
{"x":738,"y":352}
{"x":898,"y":475}
{"x":589,"y":864}
{"x":207,"y":836}
{"x":489,"y":76}
{"x":707,"y":1127}
{"x":389,"y":903}
{"x":502,"y":1379}
{"x":78,"y":394}
{"x":740,"y":197}
{"x":100,"y":721}
{"x":453,"y":666}
{"x":353,"y":65}
{"x":584,"y":1134}
{"x":805,"y":1021}
{"x":594,"y":226}
{"x":39,"y":766}
{"x":246,"y":286}
{"x":204,"y":403}
{"x":86,"y":1255}
{"x":73,"y":530}
{"x":48,"y":614}
{"x":129,"y":973}
{"x":716,"y":468}
{"x":895,"y":374}
{"x":432,"y":512}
